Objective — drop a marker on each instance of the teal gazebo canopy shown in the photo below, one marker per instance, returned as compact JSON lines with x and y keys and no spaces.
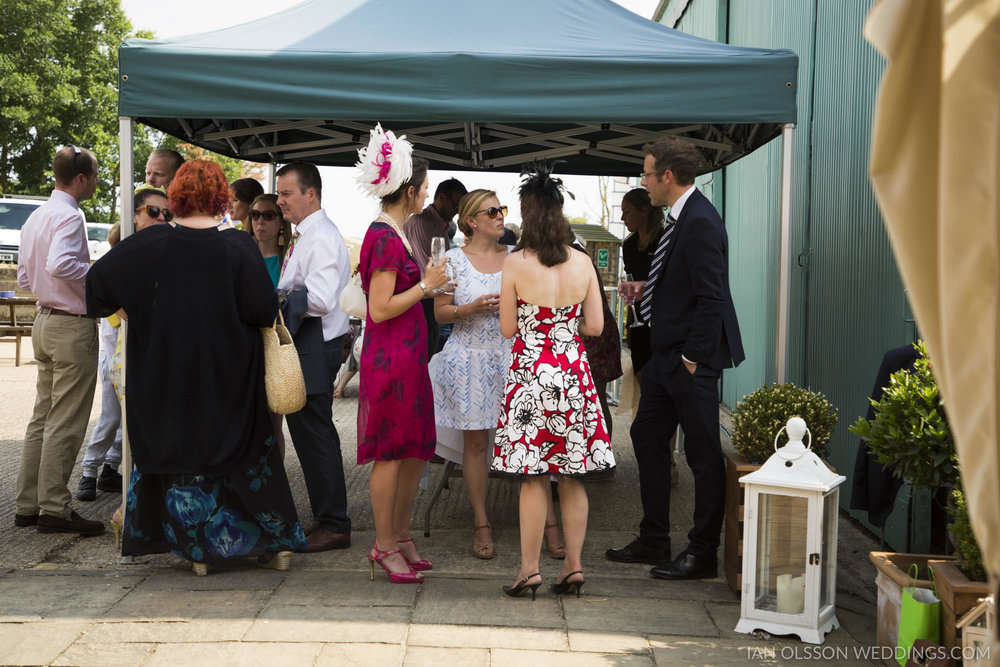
{"x":475,"y":85}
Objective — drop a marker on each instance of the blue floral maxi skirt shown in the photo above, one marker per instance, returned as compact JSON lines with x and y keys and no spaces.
{"x":210,"y":518}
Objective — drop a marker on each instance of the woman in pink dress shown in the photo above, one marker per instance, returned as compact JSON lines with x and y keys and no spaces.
{"x":395,"y":406}
{"x":552,"y":422}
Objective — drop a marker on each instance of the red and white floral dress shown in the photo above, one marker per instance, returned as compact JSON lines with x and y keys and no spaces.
{"x":552,"y":422}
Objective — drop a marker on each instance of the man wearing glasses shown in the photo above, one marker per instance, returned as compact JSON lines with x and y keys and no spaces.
{"x":694,"y":335}
{"x":53,"y":264}
{"x":420,"y":228}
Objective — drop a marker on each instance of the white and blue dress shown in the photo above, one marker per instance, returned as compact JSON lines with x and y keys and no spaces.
{"x":468,"y":374}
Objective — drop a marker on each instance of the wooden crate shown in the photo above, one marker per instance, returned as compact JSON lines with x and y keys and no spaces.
{"x":732,"y":559}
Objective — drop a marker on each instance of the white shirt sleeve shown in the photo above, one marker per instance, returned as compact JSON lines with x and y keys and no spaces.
{"x":322,"y":269}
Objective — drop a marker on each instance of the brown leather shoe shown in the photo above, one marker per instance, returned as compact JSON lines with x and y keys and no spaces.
{"x":22,"y":520}
{"x":322,"y":539}
{"x":74,"y":523}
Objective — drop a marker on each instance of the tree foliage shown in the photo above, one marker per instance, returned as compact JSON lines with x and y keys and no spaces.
{"x":58,"y":86}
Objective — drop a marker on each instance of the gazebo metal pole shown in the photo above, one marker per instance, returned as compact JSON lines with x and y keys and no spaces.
{"x":125,"y":159}
{"x":784,"y":256}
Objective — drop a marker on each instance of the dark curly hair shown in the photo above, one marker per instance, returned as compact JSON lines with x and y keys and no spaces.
{"x":544,"y":229}
{"x":199,"y":185}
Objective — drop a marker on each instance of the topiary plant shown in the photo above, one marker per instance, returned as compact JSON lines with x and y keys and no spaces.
{"x":909,"y":433}
{"x":966,"y":547}
{"x":759,"y":417}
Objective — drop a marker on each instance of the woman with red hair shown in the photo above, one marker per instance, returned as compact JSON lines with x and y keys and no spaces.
{"x":208,"y":483}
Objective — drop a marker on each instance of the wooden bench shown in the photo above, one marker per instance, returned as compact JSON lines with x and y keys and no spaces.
{"x":13,"y":334}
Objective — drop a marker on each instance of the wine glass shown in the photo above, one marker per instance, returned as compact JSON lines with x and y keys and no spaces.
{"x":438,"y":250}
{"x":636,"y":320}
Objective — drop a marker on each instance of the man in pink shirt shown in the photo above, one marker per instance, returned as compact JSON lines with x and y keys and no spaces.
{"x":53,"y":264}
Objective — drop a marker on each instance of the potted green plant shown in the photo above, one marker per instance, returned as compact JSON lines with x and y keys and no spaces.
{"x":910,"y":435}
{"x":756,"y":421}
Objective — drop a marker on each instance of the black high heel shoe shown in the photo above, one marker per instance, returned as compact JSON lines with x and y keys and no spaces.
{"x":567,"y":586}
{"x":517,"y":590}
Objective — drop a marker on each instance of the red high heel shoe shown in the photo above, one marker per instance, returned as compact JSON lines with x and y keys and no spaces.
{"x":416,"y":565}
{"x":410,"y":577}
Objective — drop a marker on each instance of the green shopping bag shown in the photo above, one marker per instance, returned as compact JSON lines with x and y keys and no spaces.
{"x":919,"y":615}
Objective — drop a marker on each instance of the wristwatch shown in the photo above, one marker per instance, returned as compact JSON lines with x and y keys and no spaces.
{"x":423,"y":287}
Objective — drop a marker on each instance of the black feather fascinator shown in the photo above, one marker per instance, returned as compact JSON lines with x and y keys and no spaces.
{"x":538,"y":179}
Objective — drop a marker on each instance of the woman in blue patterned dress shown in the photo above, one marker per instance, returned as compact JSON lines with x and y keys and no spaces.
{"x":208,"y":483}
{"x":468,"y":374}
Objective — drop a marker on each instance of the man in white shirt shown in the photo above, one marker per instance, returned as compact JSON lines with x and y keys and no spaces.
{"x":53,"y":264}
{"x":318,"y":264}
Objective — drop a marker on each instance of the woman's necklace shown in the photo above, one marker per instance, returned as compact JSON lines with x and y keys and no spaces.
{"x":395,"y":225}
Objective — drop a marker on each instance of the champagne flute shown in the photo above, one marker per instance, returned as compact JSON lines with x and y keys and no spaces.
{"x":636,"y":320}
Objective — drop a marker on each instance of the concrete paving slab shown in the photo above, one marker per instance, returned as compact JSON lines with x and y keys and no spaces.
{"x":326,"y":588}
{"x":423,"y":656}
{"x":679,"y":651}
{"x":471,"y":636}
{"x":30,"y":595}
{"x":339,"y":624}
{"x":521,"y":658}
{"x":644,"y":586}
{"x":238,"y":576}
{"x":639,"y":616}
{"x":338,"y":655}
{"x":37,"y":643}
{"x":726,"y":616}
{"x":607,"y":642}
{"x":482,"y":602}
{"x":157,"y":632}
{"x":157,"y":604}
{"x":235,"y":654}
{"x":104,"y":655}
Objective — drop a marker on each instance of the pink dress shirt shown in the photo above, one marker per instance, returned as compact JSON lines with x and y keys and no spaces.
{"x":53,"y":260}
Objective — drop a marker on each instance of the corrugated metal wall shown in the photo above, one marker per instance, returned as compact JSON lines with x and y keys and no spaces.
{"x":857,"y":307}
{"x":752,"y":203}
{"x":848,"y":303}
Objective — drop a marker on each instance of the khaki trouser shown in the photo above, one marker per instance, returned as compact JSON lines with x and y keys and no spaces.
{"x":66,"y":352}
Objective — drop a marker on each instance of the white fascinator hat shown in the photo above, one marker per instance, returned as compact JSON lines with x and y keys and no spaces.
{"x":385,"y":163}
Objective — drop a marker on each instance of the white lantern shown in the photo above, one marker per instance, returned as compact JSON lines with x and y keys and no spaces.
{"x":790,"y":542}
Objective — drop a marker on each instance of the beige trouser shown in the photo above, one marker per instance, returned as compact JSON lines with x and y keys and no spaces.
{"x":66,"y":352}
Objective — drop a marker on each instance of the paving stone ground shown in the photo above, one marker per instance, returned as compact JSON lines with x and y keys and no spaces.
{"x":67,"y":600}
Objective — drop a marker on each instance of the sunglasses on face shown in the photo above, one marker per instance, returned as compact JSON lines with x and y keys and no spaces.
{"x":492,"y":211}
{"x":155,"y":211}
{"x":267,"y":215}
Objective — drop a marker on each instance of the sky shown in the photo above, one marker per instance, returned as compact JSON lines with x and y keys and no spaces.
{"x":344,"y":203}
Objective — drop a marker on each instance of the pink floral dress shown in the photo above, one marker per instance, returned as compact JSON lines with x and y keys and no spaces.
{"x":552,"y":421}
{"x":395,"y":403}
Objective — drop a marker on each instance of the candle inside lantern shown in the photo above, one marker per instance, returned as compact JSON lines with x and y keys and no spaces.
{"x":791,"y":594}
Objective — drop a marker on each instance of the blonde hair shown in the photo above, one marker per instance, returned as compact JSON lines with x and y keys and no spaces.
{"x":468,"y":206}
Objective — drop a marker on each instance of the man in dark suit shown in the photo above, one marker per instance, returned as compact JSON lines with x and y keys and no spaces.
{"x":694,"y":335}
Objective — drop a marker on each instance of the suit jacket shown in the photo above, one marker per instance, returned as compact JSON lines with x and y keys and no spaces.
{"x":692,"y":309}
{"x":307,"y":333}
{"x":875,"y":487}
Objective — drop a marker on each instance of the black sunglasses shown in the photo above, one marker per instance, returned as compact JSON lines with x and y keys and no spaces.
{"x":267,"y":215}
{"x":154,"y":212}
{"x":492,"y":211}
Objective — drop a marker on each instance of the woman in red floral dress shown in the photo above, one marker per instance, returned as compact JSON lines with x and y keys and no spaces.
{"x":395,"y":406}
{"x":552,"y":423}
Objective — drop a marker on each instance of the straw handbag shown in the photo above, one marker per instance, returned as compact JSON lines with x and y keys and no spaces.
{"x":286,"y":390}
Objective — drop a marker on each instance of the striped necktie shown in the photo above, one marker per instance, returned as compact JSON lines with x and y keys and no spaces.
{"x":646,"y":307}
{"x":288,"y":255}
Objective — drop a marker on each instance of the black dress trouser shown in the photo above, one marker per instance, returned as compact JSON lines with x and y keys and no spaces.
{"x":670,"y":396}
{"x":317,"y":445}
